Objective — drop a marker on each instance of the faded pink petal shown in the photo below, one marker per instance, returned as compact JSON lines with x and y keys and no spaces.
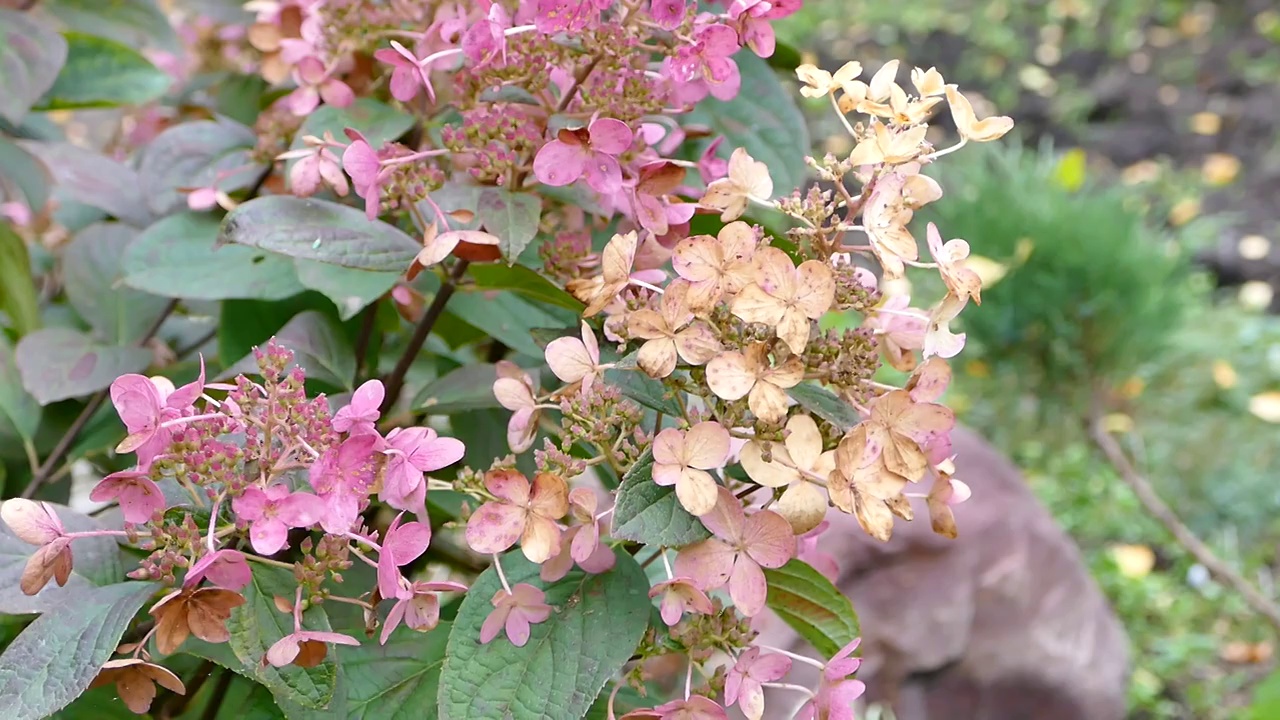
{"x":604,"y":175}
{"x":138,"y":496}
{"x":747,"y":586}
{"x":363,"y":410}
{"x":706,"y":446}
{"x":33,"y":522}
{"x":495,"y":527}
{"x":768,"y":539}
{"x":137,"y":401}
{"x":509,"y":485}
{"x":610,"y":136}
{"x":709,"y":563}
{"x":668,"y":14}
{"x":558,"y":163}
{"x":224,"y":568}
{"x":727,"y":520}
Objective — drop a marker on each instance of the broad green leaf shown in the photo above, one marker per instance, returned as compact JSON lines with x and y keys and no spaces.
{"x":178,"y":257}
{"x":813,"y":607}
{"x":1266,"y":699}
{"x":132,"y":22}
{"x":377,"y":121}
{"x":525,"y":281}
{"x":31,"y":54}
{"x":320,"y":348}
{"x":93,"y":275}
{"x":30,"y":175}
{"x":764,"y":119}
{"x":398,"y":680}
{"x":260,"y":703}
{"x":596,"y":624}
{"x":351,"y":290}
{"x":513,"y":217}
{"x":643,"y":389}
{"x":257,"y":625}
{"x":825,"y":404}
{"x":319,"y":230}
{"x":60,"y":363}
{"x":18,"y":299}
{"x":245,"y":324}
{"x":103,"y":73}
{"x":83,"y":176}
{"x":507,"y":318}
{"x":19,"y":411}
{"x":650,"y":513}
{"x":484,"y":433}
{"x":97,"y":562}
{"x":194,"y":155}
{"x":451,"y":197}
{"x":467,"y":388}
{"x":57,"y":656}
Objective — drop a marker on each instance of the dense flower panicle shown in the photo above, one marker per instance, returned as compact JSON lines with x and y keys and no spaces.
{"x":539,"y":95}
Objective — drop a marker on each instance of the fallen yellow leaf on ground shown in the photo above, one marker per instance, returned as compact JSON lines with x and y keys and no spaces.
{"x":1134,"y":561}
{"x":1266,"y":406}
{"x":1220,"y":168}
{"x":1206,"y":123}
{"x":1224,"y":376}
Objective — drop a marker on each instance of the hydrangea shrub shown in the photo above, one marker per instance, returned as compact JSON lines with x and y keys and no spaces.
{"x":521,"y":387}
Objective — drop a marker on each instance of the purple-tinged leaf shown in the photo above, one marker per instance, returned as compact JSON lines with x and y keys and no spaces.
{"x":205,"y":153}
{"x":94,"y":179}
{"x":31,"y":54}
{"x":93,"y":275}
{"x":313,"y":229}
{"x":55,"y":658}
{"x":60,"y":363}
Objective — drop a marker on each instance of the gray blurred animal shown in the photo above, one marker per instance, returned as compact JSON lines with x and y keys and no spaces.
{"x":1003,"y":623}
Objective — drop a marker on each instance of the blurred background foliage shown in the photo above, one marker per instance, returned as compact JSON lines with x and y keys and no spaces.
{"x":1086,"y":233}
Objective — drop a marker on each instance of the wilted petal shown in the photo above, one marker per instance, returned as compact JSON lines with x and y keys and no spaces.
{"x":696,"y":491}
{"x":770,"y":474}
{"x":747,"y":586}
{"x":540,"y":540}
{"x":755,"y":305}
{"x":657,"y":358}
{"x":768,"y":402}
{"x":569,"y":359}
{"x":509,"y":485}
{"x":495,"y":527}
{"x":768,"y":539}
{"x":33,"y":522}
{"x":728,"y":519}
{"x":709,"y":563}
{"x":706,"y":446}
{"x":803,"y":505}
{"x":804,"y":441}
{"x":550,"y":496}
{"x":729,"y":376}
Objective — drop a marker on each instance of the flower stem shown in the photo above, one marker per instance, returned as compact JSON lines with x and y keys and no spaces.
{"x":666,"y":563}
{"x":268,"y":561}
{"x":788,"y":686}
{"x":395,"y":381}
{"x":801,"y":658}
{"x":497,"y":565}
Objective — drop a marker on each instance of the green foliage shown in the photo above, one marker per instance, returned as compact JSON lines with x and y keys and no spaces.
{"x":97,"y":562}
{"x":812,"y":606}
{"x":319,"y":230}
{"x":93,"y":273}
{"x":594,"y":628}
{"x":31,"y":55}
{"x":208,"y":153}
{"x":824,"y":403}
{"x":1092,"y":291}
{"x":103,"y":73}
{"x":257,"y":624}
{"x":56,"y":657}
{"x":650,"y":513}
{"x":18,"y":298}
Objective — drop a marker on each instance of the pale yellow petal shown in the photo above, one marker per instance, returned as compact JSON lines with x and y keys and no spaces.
{"x":696,"y":491}
{"x":729,"y":377}
{"x":770,"y":474}
{"x":804,"y":505}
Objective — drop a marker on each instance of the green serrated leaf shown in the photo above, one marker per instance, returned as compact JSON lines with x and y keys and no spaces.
{"x":825,"y":404}
{"x":351,"y":290}
{"x":30,"y":175}
{"x":18,"y":299}
{"x":103,"y":73}
{"x":318,"y":230}
{"x":256,"y":625}
{"x":525,"y":281}
{"x":93,"y":272}
{"x":204,"y":153}
{"x":643,"y":389}
{"x":178,"y":257}
{"x":764,"y":119}
{"x":513,"y":217}
{"x":813,"y":607}
{"x":60,"y":363}
{"x":31,"y":54}
{"x":132,"y":22}
{"x":19,"y":411}
{"x":650,"y":513}
{"x":398,"y":680}
{"x":596,"y":624}
{"x":507,"y":317}
{"x":93,"y":179}
{"x":56,"y":657}
{"x":97,"y":562}
{"x":467,"y":388}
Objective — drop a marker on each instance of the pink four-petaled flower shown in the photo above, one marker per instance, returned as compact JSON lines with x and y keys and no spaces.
{"x":592,"y":152}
